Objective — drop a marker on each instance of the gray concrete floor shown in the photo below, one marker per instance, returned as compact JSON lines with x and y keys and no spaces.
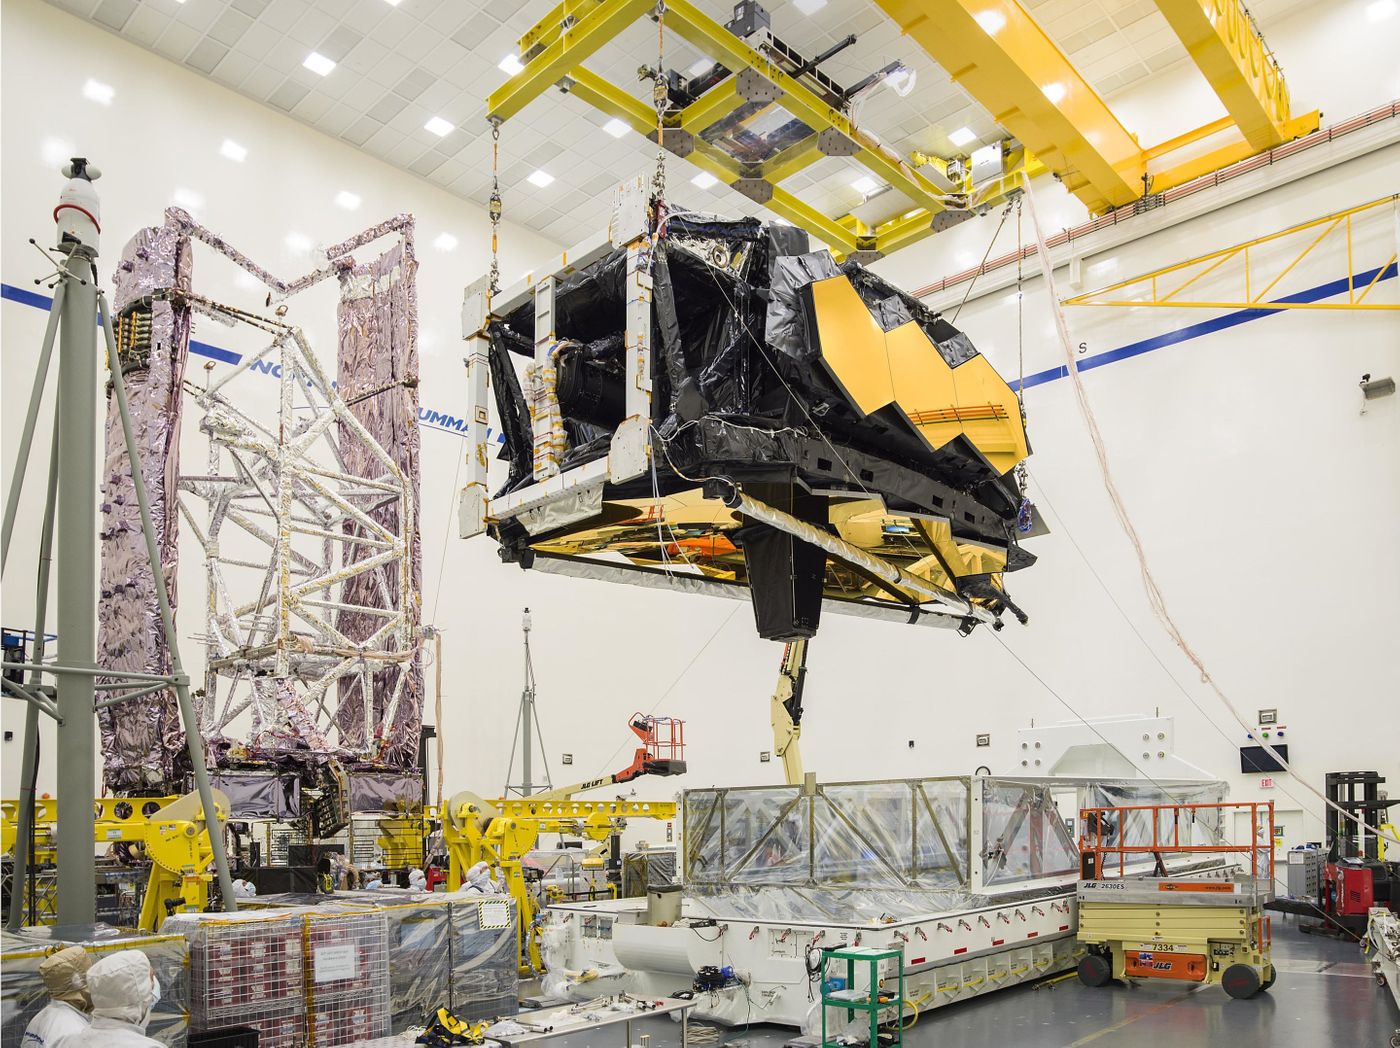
{"x":1324,"y":996}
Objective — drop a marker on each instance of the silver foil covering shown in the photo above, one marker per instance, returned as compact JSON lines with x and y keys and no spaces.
{"x":378,"y":377}
{"x":143,"y":742}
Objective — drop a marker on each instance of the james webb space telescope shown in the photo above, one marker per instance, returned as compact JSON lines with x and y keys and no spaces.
{"x":716,"y":408}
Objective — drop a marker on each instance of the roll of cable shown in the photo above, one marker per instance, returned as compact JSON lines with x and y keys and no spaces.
{"x":814,"y":962}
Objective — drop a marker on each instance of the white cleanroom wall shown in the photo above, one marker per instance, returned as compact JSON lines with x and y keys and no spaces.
{"x":1266,"y":499}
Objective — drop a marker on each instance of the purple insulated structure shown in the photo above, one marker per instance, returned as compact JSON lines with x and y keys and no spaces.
{"x":143,"y":743}
{"x":306,"y":508}
{"x":378,"y":368}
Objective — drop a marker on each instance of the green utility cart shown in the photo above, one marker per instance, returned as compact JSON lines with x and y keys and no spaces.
{"x":868,"y":998}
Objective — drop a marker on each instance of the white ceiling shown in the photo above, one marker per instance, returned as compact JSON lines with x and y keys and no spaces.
{"x":399,"y":65}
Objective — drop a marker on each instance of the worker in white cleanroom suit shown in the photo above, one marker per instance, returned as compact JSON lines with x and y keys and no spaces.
{"x":65,"y":977}
{"x":123,"y":989}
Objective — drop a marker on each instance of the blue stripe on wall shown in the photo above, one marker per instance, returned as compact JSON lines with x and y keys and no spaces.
{"x":1206,"y":327}
{"x":1088,"y":363}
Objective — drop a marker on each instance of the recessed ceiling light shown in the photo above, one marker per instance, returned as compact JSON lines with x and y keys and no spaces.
{"x":99,"y":92}
{"x":438,"y":126}
{"x":991,"y":21}
{"x":348,"y":200}
{"x":809,"y":7}
{"x":700,"y":68}
{"x":864,"y":185}
{"x":510,"y":65}
{"x":318,"y":63}
{"x":1380,"y":10}
{"x":56,"y":151}
{"x":1054,"y":92}
{"x":540,"y":178}
{"x":445,"y":242}
{"x":704,"y":180}
{"x":962,"y":136}
{"x":186,"y":198}
{"x":391,"y":3}
{"x":298,"y":243}
{"x":233,"y":151}
{"x":615,"y":127}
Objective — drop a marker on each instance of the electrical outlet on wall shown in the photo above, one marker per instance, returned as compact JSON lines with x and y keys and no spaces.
{"x":568,"y":758}
{"x":984,"y":740}
{"x":764,"y":757}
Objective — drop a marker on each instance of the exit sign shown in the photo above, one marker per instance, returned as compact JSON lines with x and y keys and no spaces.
{"x":1266,"y":783}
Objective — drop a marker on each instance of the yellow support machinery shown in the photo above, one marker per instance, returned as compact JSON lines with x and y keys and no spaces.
{"x":502,"y":832}
{"x":170,"y":832}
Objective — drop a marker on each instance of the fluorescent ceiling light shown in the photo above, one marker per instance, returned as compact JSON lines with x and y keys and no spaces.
{"x":809,"y":7}
{"x":704,"y":180}
{"x":962,"y":136}
{"x":1055,"y":92}
{"x":298,"y":243}
{"x":391,"y":3}
{"x":540,"y":178}
{"x":233,"y":151}
{"x":187,"y":198}
{"x":510,"y":65}
{"x":617,"y":128}
{"x":445,"y":242}
{"x":56,"y":151}
{"x":348,"y":200}
{"x":1380,"y":10}
{"x":318,"y":63}
{"x":99,"y":92}
{"x":438,"y":126}
{"x":865,"y":185}
{"x":991,"y":21}
{"x":700,"y":68}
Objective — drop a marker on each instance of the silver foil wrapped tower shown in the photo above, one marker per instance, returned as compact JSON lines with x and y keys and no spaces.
{"x":143,"y":743}
{"x":308,"y":520}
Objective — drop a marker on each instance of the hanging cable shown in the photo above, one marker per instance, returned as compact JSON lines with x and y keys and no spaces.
{"x":1156,"y":598}
{"x":985,"y":255}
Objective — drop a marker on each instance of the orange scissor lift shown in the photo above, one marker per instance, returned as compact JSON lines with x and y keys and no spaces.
{"x":1205,"y":923}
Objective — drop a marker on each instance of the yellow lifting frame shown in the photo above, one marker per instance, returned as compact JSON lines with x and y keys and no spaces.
{"x":1162,"y":293}
{"x":553,"y":51}
{"x":1230,"y":54}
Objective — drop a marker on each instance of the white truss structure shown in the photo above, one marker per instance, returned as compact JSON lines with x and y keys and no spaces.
{"x":281,"y":486}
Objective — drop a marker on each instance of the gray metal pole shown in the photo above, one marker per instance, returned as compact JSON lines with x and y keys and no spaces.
{"x":527,"y":723}
{"x":193,"y":740}
{"x":25,"y":816}
{"x":77,"y":587}
{"x":31,"y":417}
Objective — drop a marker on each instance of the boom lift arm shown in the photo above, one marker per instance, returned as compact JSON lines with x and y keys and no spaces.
{"x":787,"y":709}
{"x":661,"y":753}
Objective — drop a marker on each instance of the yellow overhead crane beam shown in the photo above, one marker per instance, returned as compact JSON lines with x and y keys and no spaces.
{"x":1226,"y":47}
{"x":1000,"y":56}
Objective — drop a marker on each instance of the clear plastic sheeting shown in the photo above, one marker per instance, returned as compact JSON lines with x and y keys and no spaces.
{"x":246,"y":969}
{"x":1023,"y":833}
{"x":856,"y":852}
{"x":646,"y":868}
{"x":22,"y":993}
{"x":908,"y":834}
{"x":483,"y":955}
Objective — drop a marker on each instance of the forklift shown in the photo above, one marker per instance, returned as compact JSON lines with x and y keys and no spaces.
{"x":1357,"y":875}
